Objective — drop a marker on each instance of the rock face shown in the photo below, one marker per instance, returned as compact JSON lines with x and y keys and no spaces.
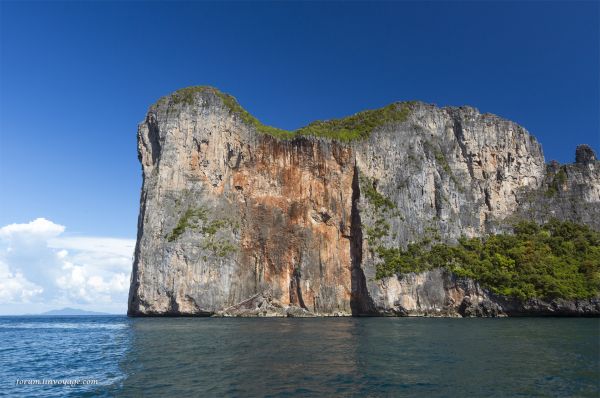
{"x":439,"y":293}
{"x":568,"y":192}
{"x":436,"y":293}
{"x":236,"y":222}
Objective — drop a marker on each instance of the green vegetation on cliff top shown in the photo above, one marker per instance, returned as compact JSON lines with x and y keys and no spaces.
{"x":354,"y":127}
{"x":557,"y":259}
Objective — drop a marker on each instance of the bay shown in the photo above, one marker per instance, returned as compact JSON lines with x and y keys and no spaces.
{"x":287,"y":357}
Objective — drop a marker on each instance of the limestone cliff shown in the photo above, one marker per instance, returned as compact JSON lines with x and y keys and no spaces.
{"x":237,"y":218}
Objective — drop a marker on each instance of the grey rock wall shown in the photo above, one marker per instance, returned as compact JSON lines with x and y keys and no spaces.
{"x":234,"y":222}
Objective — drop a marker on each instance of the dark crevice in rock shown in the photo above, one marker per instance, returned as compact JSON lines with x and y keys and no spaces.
{"x":173,"y":305}
{"x":238,"y":161}
{"x":231,"y":153}
{"x":325,"y":216}
{"x":438,"y":195}
{"x":296,"y":290}
{"x":488,"y":199}
{"x":154,"y":137}
{"x":460,"y":139}
{"x":361,"y":303}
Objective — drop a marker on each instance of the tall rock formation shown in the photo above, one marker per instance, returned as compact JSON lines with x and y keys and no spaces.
{"x":237,"y":218}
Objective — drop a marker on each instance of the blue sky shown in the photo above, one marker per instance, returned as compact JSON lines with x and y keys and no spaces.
{"x":77,"y":77}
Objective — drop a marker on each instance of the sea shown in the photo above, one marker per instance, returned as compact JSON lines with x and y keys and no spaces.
{"x":116,"y":356}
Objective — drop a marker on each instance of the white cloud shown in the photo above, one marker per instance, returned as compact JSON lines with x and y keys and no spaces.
{"x":41,"y":268}
{"x":38,"y":228}
{"x":15,"y":288}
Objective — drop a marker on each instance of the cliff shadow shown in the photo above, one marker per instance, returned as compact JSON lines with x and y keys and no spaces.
{"x":361,"y":302}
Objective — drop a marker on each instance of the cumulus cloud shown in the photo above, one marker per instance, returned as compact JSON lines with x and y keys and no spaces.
{"x":41,"y":268}
{"x":38,"y":228}
{"x":14,"y":287}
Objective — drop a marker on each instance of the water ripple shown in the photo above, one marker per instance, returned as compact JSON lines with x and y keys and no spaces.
{"x":188,"y":357}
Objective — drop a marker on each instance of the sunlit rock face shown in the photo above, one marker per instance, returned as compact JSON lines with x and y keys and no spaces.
{"x":236,"y":222}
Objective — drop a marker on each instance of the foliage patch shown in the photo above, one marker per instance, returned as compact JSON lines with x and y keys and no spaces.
{"x":557,"y":259}
{"x":558,"y":180}
{"x":196,"y":219}
{"x":358,"y":126}
{"x":383,"y":207}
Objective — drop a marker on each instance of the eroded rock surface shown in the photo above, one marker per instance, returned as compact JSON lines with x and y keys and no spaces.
{"x":439,"y":293}
{"x":238,"y":223}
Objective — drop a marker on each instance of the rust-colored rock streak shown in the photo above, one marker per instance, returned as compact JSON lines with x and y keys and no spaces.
{"x":296,"y":218}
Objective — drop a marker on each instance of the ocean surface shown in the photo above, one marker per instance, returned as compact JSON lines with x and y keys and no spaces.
{"x":395,"y":357}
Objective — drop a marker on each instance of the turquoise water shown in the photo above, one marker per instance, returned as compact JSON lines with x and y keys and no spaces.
{"x":395,"y":357}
